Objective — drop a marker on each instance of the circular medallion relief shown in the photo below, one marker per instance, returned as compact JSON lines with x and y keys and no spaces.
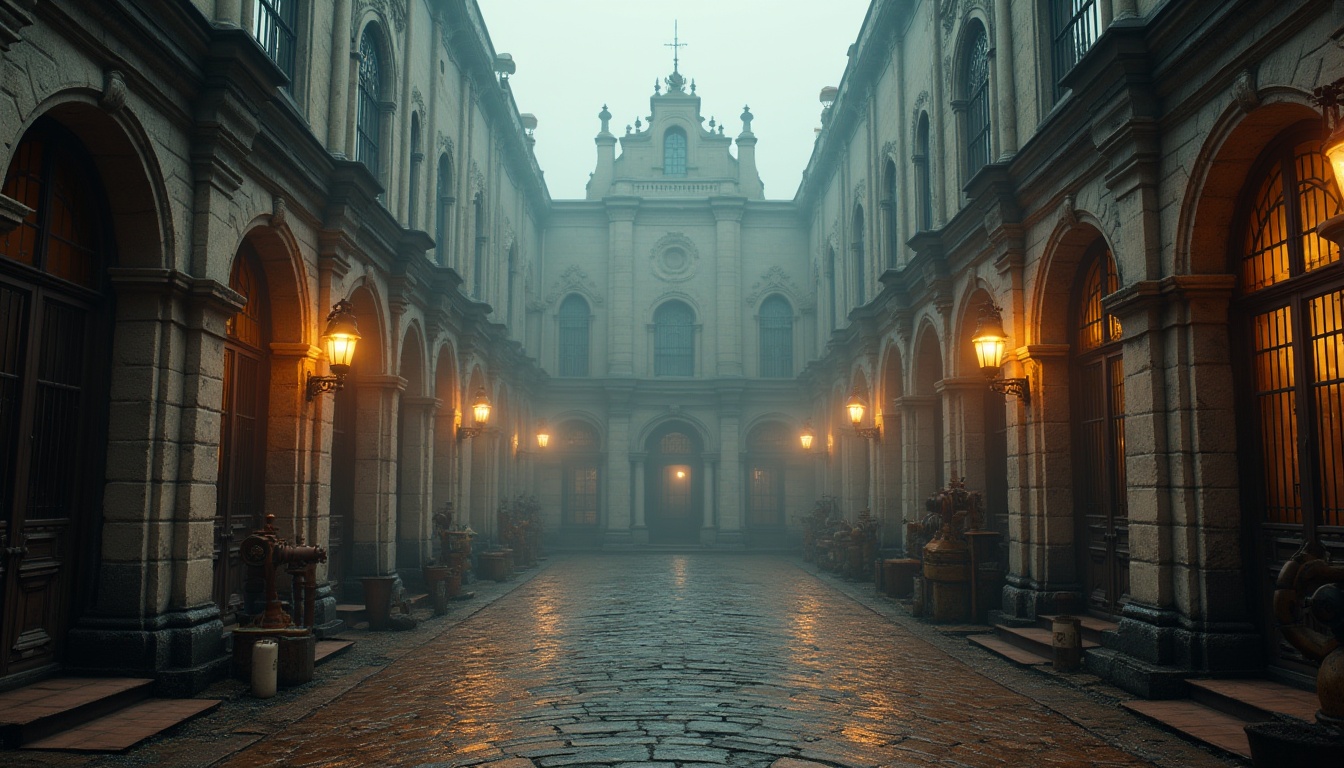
{"x":674,"y":258}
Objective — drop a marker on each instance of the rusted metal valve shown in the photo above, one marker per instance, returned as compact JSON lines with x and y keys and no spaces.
{"x":265,"y":549}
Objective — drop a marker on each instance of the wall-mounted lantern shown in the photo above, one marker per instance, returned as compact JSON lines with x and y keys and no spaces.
{"x":480,"y":411}
{"x":807,"y":435}
{"x":856,"y":407}
{"x":991,"y":344}
{"x":339,"y":341}
{"x":543,"y":434}
{"x":1328,"y":98}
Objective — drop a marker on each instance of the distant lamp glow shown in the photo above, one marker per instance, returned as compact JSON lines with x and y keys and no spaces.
{"x":991,"y":344}
{"x":543,"y":434}
{"x":339,"y":341}
{"x":480,"y":410}
{"x":807,"y":435}
{"x":856,"y":407}
{"x":681,"y":475}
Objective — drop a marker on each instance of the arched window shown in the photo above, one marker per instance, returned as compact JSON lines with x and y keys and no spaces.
{"x":443,"y":211}
{"x":1074,"y":27}
{"x":275,"y":25}
{"x":574,"y":316}
{"x":976,"y":91}
{"x":776,"y":338}
{"x":768,"y":447}
{"x":369,"y":125}
{"x":860,"y":260}
{"x":579,"y":497}
{"x":923,"y":180}
{"x":1099,"y":424}
{"x":674,"y":153}
{"x":1292,"y":317}
{"x":674,"y":340}
{"x":889,"y":213}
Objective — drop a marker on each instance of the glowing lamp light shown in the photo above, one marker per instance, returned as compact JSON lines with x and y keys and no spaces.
{"x":1328,"y":99}
{"x":856,"y":406}
{"x":990,"y":340}
{"x":991,"y":344}
{"x":543,"y":434}
{"x":339,"y":341}
{"x":807,"y":435}
{"x":681,"y":475}
{"x":480,"y":408}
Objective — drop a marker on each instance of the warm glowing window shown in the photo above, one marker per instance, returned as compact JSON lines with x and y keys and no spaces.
{"x":1292,"y":283}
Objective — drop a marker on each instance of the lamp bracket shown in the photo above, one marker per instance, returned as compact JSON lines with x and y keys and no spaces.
{"x":319,"y":384}
{"x":464,"y":433}
{"x":1018,"y":388}
{"x":869,"y":433}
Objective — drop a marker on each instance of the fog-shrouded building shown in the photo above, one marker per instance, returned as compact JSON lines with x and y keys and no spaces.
{"x":1135,"y":184}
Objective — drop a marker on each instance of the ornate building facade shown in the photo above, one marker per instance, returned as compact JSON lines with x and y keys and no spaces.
{"x":1134,"y":184}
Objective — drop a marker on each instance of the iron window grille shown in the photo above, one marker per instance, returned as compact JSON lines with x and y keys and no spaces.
{"x":369,"y":125}
{"x":1075,"y":25}
{"x":273,"y":24}
{"x":776,"y":338}
{"x":574,"y":336}
{"x":977,"y":104}
{"x":674,"y":340}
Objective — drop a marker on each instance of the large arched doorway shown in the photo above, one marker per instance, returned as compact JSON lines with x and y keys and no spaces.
{"x":1098,"y":399}
{"x":53,"y":392}
{"x":674,"y":486}
{"x":240,"y":491}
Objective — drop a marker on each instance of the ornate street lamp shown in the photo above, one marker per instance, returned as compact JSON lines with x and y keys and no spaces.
{"x":480,"y":411}
{"x":1328,"y":98}
{"x":807,"y":435}
{"x":339,"y":341}
{"x":991,"y":343}
{"x":856,"y":406}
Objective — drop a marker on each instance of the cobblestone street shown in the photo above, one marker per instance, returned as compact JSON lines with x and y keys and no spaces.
{"x":691,"y":660}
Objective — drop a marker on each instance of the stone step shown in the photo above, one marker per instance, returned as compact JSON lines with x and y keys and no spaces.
{"x":1008,"y":651}
{"x":41,"y":709}
{"x":123,"y":729}
{"x":1255,"y":700}
{"x":1091,"y":627}
{"x":1035,"y":640}
{"x":326,"y":650}
{"x":1197,"y":722}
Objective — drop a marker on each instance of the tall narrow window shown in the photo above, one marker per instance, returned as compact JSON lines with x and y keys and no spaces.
{"x":860,"y":259}
{"x":478,"y":253}
{"x":573,"y":321}
{"x":369,"y":124}
{"x":768,"y":447}
{"x":889,"y":212}
{"x":274,"y":25}
{"x":923,"y":181}
{"x":776,"y":338}
{"x":579,"y":499}
{"x":976,"y":90}
{"x":417,"y":159}
{"x":1074,"y":26}
{"x":674,"y":340}
{"x":443,"y":212}
{"x":674,"y":153}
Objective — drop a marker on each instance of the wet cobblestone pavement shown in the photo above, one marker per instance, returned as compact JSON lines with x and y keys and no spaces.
{"x":685,"y":661}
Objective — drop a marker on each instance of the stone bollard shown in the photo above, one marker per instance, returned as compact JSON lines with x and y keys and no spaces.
{"x":265,"y":661}
{"x":1067,"y":642}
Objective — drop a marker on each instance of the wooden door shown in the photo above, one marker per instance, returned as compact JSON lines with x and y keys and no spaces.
{"x":53,"y":393}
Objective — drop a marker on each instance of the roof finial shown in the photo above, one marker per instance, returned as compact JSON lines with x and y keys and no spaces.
{"x":674,"y":45}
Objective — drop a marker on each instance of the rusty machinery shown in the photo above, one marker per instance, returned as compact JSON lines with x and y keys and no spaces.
{"x":265,"y":550}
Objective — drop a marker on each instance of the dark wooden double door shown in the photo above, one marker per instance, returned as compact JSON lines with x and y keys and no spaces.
{"x":675,"y":489}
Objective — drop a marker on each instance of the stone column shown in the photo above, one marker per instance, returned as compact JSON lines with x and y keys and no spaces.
{"x":339,"y":90}
{"x":727,"y":286}
{"x":414,"y":483}
{"x":640,"y":530}
{"x":709,"y":526}
{"x":374,"y":525}
{"x":621,"y":283}
{"x":619,"y":490}
{"x":917,"y":413}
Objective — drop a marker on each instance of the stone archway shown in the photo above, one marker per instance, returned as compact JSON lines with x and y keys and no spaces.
{"x":674,"y":508}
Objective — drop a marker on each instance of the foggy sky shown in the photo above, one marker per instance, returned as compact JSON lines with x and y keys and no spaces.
{"x":573,"y":56}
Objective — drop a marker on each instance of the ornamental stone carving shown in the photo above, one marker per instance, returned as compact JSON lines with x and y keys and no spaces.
{"x":674,"y":258}
{"x":573,"y":280}
{"x":776,"y":280}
